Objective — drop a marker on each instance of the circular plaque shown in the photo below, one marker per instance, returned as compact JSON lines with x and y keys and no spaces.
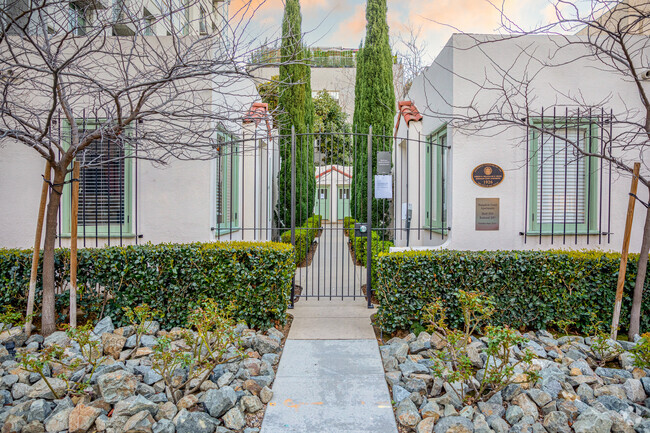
{"x":487,"y":175}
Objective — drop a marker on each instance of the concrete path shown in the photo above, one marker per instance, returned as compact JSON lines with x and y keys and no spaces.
{"x":330,"y":378}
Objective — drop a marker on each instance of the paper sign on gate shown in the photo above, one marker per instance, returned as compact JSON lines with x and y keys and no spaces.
{"x":383,"y":186}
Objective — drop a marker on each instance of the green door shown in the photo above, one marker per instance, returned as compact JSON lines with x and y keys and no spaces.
{"x":343,"y":203}
{"x":322,"y":206}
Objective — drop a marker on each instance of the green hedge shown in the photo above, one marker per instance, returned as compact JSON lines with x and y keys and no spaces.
{"x":348,"y":225}
{"x":305,"y":236}
{"x":171,"y":278}
{"x":533,"y":289}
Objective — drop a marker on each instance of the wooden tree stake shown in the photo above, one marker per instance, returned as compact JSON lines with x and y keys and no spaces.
{"x":37,"y":249}
{"x":626,"y":246}
{"x":73,"y":244}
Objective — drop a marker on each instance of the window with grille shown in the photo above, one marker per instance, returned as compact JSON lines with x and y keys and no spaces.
{"x":227,"y":184}
{"x":105,"y":189}
{"x":563,"y":182}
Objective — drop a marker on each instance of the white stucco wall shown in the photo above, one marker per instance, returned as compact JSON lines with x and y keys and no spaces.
{"x":454,"y":80}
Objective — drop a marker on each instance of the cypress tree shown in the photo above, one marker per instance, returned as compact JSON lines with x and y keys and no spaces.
{"x":296,"y":109}
{"x":374,"y":106}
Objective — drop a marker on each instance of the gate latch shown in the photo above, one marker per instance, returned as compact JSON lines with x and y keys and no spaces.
{"x":361,"y":230}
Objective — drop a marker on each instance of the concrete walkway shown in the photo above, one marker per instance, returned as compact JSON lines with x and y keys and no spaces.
{"x":330,"y":378}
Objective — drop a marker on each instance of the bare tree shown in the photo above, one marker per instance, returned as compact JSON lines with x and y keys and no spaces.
{"x":411,"y":51}
{"x":606,"y":36}
{"x":152,"y":80}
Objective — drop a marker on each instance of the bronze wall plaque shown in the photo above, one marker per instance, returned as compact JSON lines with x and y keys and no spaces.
{"x":487,"y":214}
{"x":487,"y":175}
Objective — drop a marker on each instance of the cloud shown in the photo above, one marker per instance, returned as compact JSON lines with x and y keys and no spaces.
{"x":352,"y":28}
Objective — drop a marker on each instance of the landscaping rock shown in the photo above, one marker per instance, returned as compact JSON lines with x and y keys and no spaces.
{"x":58,"y":420}
{"x":592,"y":421}
{"x":455,"y":424}
{"x":425,"y":426}
{"x":39,"y":410}
{"x":557,"y":422}
{"x":82,"y":417}
{"x":407,"y":414}
{"x":194,"y":422}
{"x":141,"y":422}
{"x":164,"y":426}
{"x":113,"y":344}
{"x":117,"y":386}
{"x":234,"y":419}
{"x":103,"y":326}
{"x":218,"y":401}
{"x":13,"y":424}
{"x":41,"y":389}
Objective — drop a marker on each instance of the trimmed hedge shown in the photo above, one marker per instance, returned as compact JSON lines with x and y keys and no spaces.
{"x":533,"y":289}
{"x":171,"y":278}
{"x":348,"y":225}
{"x":305,"y":236}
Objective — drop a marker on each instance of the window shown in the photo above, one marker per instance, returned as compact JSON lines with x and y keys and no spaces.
{"x":186,"y":17}
{"x":562,"y":182}
{"x":203,"y":27}
{"x":435,"y":204}
{"x":227,"y":188}
{"x":77,"y":20}
{"x":105,"y":187}
{"x":148,"y":23}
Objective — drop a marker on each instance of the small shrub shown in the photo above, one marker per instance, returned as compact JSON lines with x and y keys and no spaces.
{"x":214,"y":341}
{"x":453,"y":363}
{"x":641,"y":352}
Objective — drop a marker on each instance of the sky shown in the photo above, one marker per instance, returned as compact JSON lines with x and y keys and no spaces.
{"x":341,"y":23}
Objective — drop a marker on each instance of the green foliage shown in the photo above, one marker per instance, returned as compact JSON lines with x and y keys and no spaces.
{"x":532,"y":289}
{"x":140,"y":318}
{"x":170,"y":278}
{"x":215,"y":341}
{"x":360,"y":248}
{"x":330,"y":118}
{"x":305,"y":236}
{"x":374,"y":106}
{"x":602,"y":346}
{"x":91,"y":358}
{"x":348,"y":224}
{"x":453,"y":363}
{"x":641,"y":352}
{"x":10,"y":318}
{"x":296,"y":109}
{"x":269,"y":92}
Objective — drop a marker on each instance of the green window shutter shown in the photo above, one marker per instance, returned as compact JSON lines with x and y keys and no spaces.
{"x":435,"y":206}
{"x":228,"y":184}
{"x":427,"y":184}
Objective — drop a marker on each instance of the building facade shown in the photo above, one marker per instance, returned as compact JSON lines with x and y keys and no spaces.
{"x":492,"y":177}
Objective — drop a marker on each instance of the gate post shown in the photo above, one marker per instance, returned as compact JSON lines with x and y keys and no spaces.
{"x":369,"y":223}
{"x":293,"y":207}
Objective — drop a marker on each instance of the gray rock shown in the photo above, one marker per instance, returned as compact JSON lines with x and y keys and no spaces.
{"x":103,"y":326}
{"x":33,"y":427}
{"x":585,"y":392}
{"x":409,"y":367}
{"x":116,"y":386}
{"x":271,"y":358}
{"x":39,"y":410}
{"x":133,"y":405}
{"x":266,"y":395}
{"x":141,"y":422}
{"x":490,"y":409}
{"x":415,"y":385}
{"x":634,"y":390}
{"x":58,"y":338}
{"x":149,"y":376}
{"x":552,"y":387}
{"x":13,"y":424}
{"x":407,"y":414}
{"x":164,"y":426}
{"x":557,"y":422}
{"x":481,"y":425}
{"x":498,"y":424}
{"x":390,"y":363}
{"x":457,"y":424}
{"x":42,"y":390}
{"x":514,"y":414}
{"x":612,"y":403}
{"x":263,"y":381}
{"x":645,"y":381}
{"x":218,"y":401}
{"x":592,"y":421}
{"x":541,"y":398}
{"x":418,"y":346}
{"x":145,"y":341}
{"x":58,"y":420}
{"x":511,"y":391}
{"x":527,"y":405}
{"x":19,"y":390}
{"x":251,"y":404}
{"x":264,"y":344}
{"x":613,"y":373}
{"x":104,"y":369}
{"x":536,"y":348}
{"x":151,"y":327}
{"x":194,"y":422}
{"x":234,"y":419}
{"x":9,"y":380}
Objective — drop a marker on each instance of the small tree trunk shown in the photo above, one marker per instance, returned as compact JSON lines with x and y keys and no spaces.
{"x":48,"y":310}
{"x":635,"y":318}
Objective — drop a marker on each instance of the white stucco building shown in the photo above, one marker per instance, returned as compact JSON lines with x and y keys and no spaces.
{"x":547,"y":198}
{"x":333,"y":186}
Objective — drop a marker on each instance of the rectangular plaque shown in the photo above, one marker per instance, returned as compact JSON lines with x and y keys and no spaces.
{"x":383,"y":186}
{"x":384,"y":162}
{"x":487,"y":214}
